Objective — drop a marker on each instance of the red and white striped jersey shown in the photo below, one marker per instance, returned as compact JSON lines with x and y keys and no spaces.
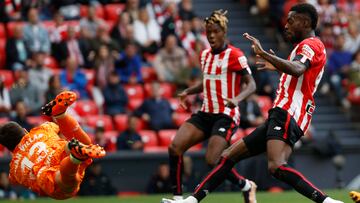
{"x":222,"y":74}
{"x":295,"y":94}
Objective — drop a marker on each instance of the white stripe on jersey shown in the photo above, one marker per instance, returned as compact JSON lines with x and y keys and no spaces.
{"x":203,"y":55}
{"x":213,"y":94}
{"x":297,"y":99}
{"x":318,"y":79}
{"x":285,"y":90}
{"x":305,"y":120}
{"x":205,"y":106}
{"x":224,"y":69}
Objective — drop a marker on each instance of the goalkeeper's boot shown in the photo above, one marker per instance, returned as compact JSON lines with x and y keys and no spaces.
{"x":355,"y":196}
{"x":59,"y":105}
{"x":83,"y":152}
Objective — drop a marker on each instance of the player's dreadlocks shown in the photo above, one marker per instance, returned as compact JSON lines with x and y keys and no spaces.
{"x":218,"y":17}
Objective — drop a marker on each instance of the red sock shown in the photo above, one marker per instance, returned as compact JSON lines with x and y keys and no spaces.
{"x":70,"y":128}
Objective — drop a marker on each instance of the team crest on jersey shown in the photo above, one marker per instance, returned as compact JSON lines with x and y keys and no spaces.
{"x":219,"y":63}
{"x":310,"y":108}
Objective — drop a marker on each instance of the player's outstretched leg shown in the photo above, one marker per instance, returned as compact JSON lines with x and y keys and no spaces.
{"x":355,"y":196}
{"x":59,"y":105}
{"x":69,"y":127}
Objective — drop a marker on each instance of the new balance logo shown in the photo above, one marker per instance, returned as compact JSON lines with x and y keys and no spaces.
{"x":277,"y":128}
{"x":222,"y":129}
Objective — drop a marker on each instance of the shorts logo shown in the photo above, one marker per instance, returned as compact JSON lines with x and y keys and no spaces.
{"x":277,"y":128}
{"x":222,"y":130}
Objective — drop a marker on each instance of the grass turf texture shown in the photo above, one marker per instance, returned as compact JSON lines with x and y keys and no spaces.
{"x":262,"y":197}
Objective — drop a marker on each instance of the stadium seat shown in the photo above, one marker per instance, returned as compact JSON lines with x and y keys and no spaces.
{"x":166,"y":90}
{"x":148,"y":74}
{"x":10,"y":27}
{"x":265,"y":104}
{"x":134,"y":91}
{"x":111,"y":137}
{"x":113,"y":10}
{"x":36,"y":120}
{"x":2,"y":53}
{"x":237,"y":136}
{"x":181,"y":118}
{"x":86,"y":107}
{"x":134,"y":103}
{"x":8,"y":77}
{"x":2,"y":31}
{"x":166,"y":137}
{"x":121,"y":122}
{"x":100,"y":120}
{"x":99,"y":11}
{"x":197,"y":147}
{"x":149,"y":138}
{"x":175,"y":104}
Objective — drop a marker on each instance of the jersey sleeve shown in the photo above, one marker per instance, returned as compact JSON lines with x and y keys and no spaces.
{"x":239,"y":63}
{"x":306,"y":52}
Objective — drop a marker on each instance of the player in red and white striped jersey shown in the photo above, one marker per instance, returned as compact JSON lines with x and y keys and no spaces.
{"x":291,"y":114}
{"x":226,"y":81}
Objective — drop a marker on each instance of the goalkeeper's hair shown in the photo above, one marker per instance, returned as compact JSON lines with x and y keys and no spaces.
{"x":11,"y":134}
{"x":218,"y":17}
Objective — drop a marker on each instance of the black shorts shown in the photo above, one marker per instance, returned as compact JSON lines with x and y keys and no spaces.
{"x":214,"y":124}
{"x":280,"y":125}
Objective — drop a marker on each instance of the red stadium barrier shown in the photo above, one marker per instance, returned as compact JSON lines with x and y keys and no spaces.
{"x":8,"y":77}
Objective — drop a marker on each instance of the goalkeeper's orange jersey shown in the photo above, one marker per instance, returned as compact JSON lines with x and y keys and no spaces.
{"x":37,"y":157}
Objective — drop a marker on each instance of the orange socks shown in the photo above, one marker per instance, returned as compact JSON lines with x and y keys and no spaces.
{"x":70,"y":128}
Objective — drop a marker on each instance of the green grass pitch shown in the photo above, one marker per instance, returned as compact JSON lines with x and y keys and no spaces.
{"x":262,"y":197}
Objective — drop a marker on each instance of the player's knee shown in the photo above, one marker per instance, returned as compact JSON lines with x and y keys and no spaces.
{"x":174,"y":149}
{"x":226,"y":153}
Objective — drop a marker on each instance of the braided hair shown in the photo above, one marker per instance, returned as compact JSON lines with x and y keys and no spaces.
{"x":218,"y":17}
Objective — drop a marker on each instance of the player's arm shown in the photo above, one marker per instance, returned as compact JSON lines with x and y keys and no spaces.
{"x":295,"y":68}
{"x":248,"y":86}
{"x":197,"y":88}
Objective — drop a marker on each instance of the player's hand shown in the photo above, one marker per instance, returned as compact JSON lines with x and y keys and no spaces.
{"x":256,"y":46}
{"x":263,"y":64}
{"x":231,"y":103}
{"x":182,"y":97}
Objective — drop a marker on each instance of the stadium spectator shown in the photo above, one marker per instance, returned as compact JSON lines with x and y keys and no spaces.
{"x":104,"y":65}
{"x":119,"y":31}
{"x":186,"y":10}
{"x":157,"y":10}
{"x":128,"y":64}
{"x":91,"y":22}
{"x":100,"y":139}
{"x":70,"y":9}
{"x":23,"y":90}
{"x":103,"y":38}
{"x":172,"y":23}
{"x":72,"y":78}
{"x":354,"y":73}
{"x":54,"y":88}
{"x":337,"y":68}
{"x":57,"y":35}
{"x":147,"y":32}
{"x":326,"y":11}
{"x":132,"y":7}
{"x":11,"y":10}
{"x":6,"y":191}
{"x":156,"y":110}
{"x":5,"y":104}
{"x":250,"y":113}
{"x":17,"y":53}
{"x":187,"y":37}
{"x":20,"y":115}
{"x":130,"y":138}
{"x":352,"y":37}
{"x":160,"y":181}
{"x":328,"y":37}
{"x":115,"y":97}
{"x":39,"y":73}
{"x":171,"y":62}
{"x":35,"y":35}
{"x":96,"y":182}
